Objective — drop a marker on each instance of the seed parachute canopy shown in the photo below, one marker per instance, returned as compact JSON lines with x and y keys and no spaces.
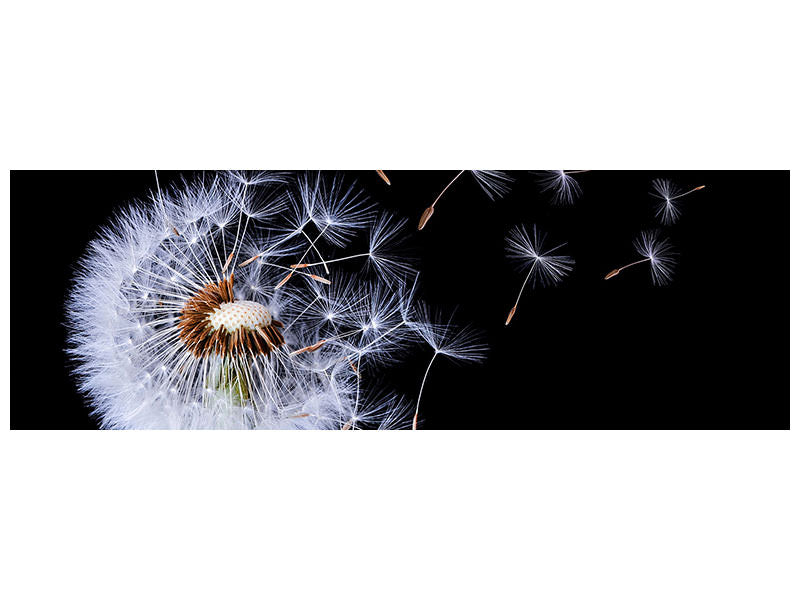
{"x":231,"y":301}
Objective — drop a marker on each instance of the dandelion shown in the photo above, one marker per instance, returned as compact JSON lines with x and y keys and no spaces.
{"x":667,"y":193}
{"x":656,"y":251}
{"x":494,"y":184}
{"x":562,"y":185}
{"x":456,"y":343}
{"x":191,"y":309}
{"x":386,"y":238}
{"x":544,"y":267}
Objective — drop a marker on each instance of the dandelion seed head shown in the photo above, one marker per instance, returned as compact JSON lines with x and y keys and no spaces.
{"x":667,"y":206}
{"x":176,"y":321}
{"x":530,"y":251}
{"x":494,"y":184}
{"x":338,"y":209}
{"x":241,"y":314}
{"x":386,"y":239}
{"x":660,"y":253}
{"x":457,"y":342}
{"x":563,"y":186}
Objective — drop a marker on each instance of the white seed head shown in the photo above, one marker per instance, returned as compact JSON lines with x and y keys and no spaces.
{"x":529,"y":252}
{"x":563,"y":187}
{"x":660,"y":253}
{"x":241,"y":314}
{"x":175,"y":320}
{"x":667,"y":207}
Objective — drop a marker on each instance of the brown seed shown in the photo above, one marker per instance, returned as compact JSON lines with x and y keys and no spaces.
{"x":175,"y":231}
{"x":265,"y":336}
{"x":227,"y":262}
{"x":300,"y":266}
{"x":317,"y":346}
{"x":320,"y":279}
{"x":284,"y":280}
{"x":511,"y":314}
{"x":426,"y":216}
{"x":249,"y":260}
{"x":613,"y":273}
{"x":414,"y":426}
{"x":699,"y":187}
{"x":347,"y":425}
{"x":384,"y":177}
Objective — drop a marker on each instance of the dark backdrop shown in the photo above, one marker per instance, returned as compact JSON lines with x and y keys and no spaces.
{"x":709,"y":351}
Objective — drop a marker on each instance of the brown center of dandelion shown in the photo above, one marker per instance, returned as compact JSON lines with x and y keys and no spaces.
{"x":214,"y":321}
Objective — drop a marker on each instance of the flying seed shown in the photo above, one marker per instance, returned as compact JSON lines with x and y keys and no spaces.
{"x":284,"y":280}
{"x":426,"y":216}
{"x":511,"y":314}
{"x":249,"y":260}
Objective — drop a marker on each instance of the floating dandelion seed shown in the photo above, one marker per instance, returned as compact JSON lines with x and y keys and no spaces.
{"x":190,"y":310}
{"x":658,"y":252}
{"x":456,"y":343}
{"x":494,"y":184}
{"x":544,"y":267}
{"x":667,"y":193}
{"x":386,"y":238}
{"x":562,"y":185}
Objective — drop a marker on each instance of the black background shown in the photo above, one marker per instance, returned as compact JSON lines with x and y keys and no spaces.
{"x":710,"y":351}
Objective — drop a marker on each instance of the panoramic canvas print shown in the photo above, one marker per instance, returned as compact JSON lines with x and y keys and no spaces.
{"x":380,"y":299}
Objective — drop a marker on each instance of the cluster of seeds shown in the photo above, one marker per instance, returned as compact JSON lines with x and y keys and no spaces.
{"x":250,"y":300}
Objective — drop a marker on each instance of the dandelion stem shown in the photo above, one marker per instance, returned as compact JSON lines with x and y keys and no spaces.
{"x":285,"y":279}
{"x":447,"y":186}
{"x":429,"y":211}
{"x":616,"y":272}
{"x":696,"y":189}
{"x":419,"y":398}
{"x":521,"y":289}
{"x":304,"y":265}
{"x":291,"y":272}
{"x":309,"y":305}
{"x":324,"y":264}
{"x":377,"y":339}
{"x":358,"y":389}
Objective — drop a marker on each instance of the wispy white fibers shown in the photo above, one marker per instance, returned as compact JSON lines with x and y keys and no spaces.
{"x":667,"y":209}
{"x":445,"y":339}
{"x":307,"y":337}
{"x":656,"y":251}
{"x":544,"y":267}
{"x":561,"y":184}
{"x":494,"y":184}
{"x":660,"y":253}
{"x":667,"y":195}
